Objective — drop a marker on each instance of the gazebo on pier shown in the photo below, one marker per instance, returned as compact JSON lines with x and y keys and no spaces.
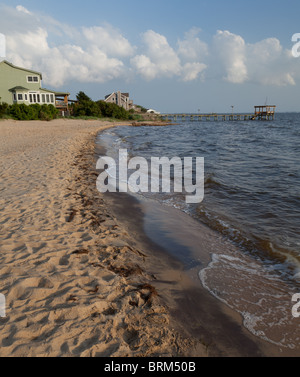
{"x":265,"y":112}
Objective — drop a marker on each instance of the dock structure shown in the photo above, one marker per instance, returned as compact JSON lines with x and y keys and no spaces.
{"x":260,"y":113}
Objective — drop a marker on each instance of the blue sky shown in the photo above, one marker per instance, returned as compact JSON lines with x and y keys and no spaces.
{"x":171,"y":55}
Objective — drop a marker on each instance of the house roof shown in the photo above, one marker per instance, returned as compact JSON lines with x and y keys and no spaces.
{"x":19,"y":88}
{"x":59,"y":94}
{"x":123,"y":94}
{"x":22,"y":69}
{"x":109,"y":95}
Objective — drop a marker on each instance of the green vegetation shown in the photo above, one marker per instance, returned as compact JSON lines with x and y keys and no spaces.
{"x":81,"y":97}
{"x":85,"y":107}
{"x":25,"y":112}
{"x":142,"y":109}
{"x":3,"y":109}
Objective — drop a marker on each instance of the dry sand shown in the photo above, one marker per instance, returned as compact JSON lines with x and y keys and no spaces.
{"x":73,"y":282}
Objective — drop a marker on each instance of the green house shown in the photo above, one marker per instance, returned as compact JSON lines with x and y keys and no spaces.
{"x":20,"y":85}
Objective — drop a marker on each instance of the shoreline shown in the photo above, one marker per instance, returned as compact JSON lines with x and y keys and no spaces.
{"x":80,"y":275}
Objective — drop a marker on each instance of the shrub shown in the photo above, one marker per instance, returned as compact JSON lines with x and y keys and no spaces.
{"x":87,"y":108}
{"x":23,"y":112}
{"x":112,"y":110}
{"x":32,"y":112}
{"x":3,"y":109}
{"x":48,"y":112}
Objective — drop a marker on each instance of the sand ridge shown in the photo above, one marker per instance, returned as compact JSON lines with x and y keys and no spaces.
{"x":73,"y":282}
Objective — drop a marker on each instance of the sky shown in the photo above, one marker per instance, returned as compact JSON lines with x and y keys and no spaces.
{"x":170,"y":55}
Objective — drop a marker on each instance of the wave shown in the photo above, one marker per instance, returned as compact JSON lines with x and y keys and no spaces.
{"x":255,"y":291}
{"x":263,"y":249}
{"x":211,"y":181}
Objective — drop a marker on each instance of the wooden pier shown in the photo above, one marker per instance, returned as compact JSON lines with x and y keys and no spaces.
{"x":261,"y":113}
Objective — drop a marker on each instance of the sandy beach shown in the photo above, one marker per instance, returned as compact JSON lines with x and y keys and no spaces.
{"x":73,"y":283}
{"x":79,"y":276}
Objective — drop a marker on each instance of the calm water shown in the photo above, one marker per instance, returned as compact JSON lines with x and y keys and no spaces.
{"x":252,"y":198}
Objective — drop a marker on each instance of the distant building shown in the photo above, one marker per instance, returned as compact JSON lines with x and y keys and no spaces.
{"x":20,"y":85}
{"x":120,"y":99}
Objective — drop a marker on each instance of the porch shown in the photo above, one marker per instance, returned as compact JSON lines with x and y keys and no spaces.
{"x":62,"y":103}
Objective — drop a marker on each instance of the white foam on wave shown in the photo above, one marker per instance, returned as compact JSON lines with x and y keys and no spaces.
{"x":255,"y":292}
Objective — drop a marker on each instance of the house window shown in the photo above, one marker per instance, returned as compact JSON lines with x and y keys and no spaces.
{"x":43,"y":98}
{"x":20,"y":97}
{"x":26,"y":97}
{"x":32,"y":79}
{"x":38,"y":98}
{"x":52,"y":98}
{"x":30,"y":98}
{"x":48,"y":98}
{"x":15,"y":97}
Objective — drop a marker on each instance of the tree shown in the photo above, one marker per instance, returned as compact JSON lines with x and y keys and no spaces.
{"x":81,"y":97}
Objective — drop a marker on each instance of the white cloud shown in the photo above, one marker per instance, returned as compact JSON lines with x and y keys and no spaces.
{"x":30,"y":43}
{"x":264,"y":62}
{"x":102,"y":53}
{"x":159,"y":60}
{"x":269,"y":64}
{"x":65,"y":62}
{"x":109,"y":40}
{"x":230,"y":50}
{"x":191,"y":48}
{"x":16,"y":21}
{"x":145,"y":67}
{"x":191,"y":71}
{"x":20,"y":8}
{"x":28,"y":49}
{"x":78,"y":65}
